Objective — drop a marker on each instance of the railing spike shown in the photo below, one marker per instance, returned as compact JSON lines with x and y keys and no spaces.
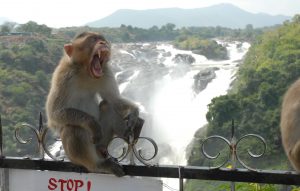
{"x":40,"y":122}
{"x":1,"y":139}
{"x":232,"y":128}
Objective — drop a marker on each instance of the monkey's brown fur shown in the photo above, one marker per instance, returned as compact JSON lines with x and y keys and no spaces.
{"x":73,"y":109}
{"x":290,"y":124}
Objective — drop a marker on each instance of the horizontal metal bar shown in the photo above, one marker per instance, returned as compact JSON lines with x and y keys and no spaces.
{"x":223,"y":174}
{"x":39,"y":164}
{"x":187,"y":172}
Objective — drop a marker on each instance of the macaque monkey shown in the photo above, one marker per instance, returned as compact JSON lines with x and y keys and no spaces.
{"x":74,"y":110}
{"x":290,"y":124}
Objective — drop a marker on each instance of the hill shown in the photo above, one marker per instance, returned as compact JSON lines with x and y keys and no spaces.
{"x":270,"y":67}
{"x":225,"y":15}
{"x":27,"y":60}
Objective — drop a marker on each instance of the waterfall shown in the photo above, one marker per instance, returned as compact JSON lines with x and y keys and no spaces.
{"x":178,"y":113}
{"x":148,"y":74}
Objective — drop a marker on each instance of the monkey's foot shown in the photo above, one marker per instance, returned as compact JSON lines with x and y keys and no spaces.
{"x":112,"y":166}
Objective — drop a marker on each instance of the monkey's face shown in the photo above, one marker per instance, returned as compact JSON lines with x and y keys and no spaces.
{"x":91,"y":52}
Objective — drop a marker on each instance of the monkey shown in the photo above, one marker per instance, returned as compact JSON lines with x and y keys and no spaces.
{"x":290,"y":124}
{"x":74,"y":110}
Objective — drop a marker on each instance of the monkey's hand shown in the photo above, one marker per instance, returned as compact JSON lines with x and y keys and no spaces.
{"x":131,"y":119}
{"x":129,"y":112}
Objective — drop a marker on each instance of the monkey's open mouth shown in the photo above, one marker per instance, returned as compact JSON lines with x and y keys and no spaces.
{"x":96,"y":65}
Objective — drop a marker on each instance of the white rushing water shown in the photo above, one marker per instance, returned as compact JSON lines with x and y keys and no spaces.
{"x":178,"y":112}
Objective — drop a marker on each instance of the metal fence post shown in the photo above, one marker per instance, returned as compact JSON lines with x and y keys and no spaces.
{"x":1,"y":139}
{"x":3,"y":171}
{"x":233,"y":153}
{"x":180,"y":178}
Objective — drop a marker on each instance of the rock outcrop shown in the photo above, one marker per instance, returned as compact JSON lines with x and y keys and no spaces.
{"x":203,"y":78}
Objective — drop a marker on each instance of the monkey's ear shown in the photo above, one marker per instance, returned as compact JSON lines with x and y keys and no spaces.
{"x":68,"y":49}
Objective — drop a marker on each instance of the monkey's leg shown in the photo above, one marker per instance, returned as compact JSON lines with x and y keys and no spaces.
{"x":77,"y":145}
{"x":294,"y":155}
{"x":80,"y":150}
{"x":71,"y":117}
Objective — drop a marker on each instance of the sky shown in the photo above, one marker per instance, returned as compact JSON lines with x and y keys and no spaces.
{"x":63,"y":13}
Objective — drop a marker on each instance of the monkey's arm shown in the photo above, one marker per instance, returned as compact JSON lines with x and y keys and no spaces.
{"x":69,"y":117}
{"x":125,"y":107}
{"x":108,"y":88}
{"x":109,"y":92}
{"x":126,"y":110}
{"x":129,"y":113}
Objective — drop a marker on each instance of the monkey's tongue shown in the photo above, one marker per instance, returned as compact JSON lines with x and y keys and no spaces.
{"x":96,"y":67}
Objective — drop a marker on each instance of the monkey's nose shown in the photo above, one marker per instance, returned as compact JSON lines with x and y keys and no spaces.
{"x":102,"y":42}
{"x":103,"y":51}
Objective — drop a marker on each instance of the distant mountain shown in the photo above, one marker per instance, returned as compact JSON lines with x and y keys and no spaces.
{"x":225,"y":15}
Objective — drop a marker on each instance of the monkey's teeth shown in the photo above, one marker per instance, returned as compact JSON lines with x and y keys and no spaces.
{"x":99,"y":54}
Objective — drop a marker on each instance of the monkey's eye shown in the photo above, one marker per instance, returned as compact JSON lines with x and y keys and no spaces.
{"x":95,"y":38}
{"x":98,"y":38}
{"x":91,"y":40}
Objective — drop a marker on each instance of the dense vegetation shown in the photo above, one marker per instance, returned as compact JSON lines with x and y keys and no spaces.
{"x":26,"y":62}
{"x":29,"y":53}
{"x":167,"y":32}
{"x":270,"y":66}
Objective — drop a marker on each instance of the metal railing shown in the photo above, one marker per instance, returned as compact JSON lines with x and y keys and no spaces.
{"x":143,"y":168}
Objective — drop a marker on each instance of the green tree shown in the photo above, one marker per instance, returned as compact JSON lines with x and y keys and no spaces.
{"x":33,"y":27}
{"x":296,"y":18}
{"x":8,"y":27}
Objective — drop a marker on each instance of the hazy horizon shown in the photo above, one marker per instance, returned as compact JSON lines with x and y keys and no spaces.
{"x":67,"y":13}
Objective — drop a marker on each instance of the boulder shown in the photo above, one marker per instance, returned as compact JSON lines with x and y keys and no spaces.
{"x":183,"y":59}
{"x":202,"y":78}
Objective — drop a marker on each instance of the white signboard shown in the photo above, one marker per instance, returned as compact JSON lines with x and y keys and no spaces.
{"x":31,"y":180}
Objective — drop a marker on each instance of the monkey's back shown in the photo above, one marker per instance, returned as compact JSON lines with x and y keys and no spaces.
{"x":290,"y":123}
